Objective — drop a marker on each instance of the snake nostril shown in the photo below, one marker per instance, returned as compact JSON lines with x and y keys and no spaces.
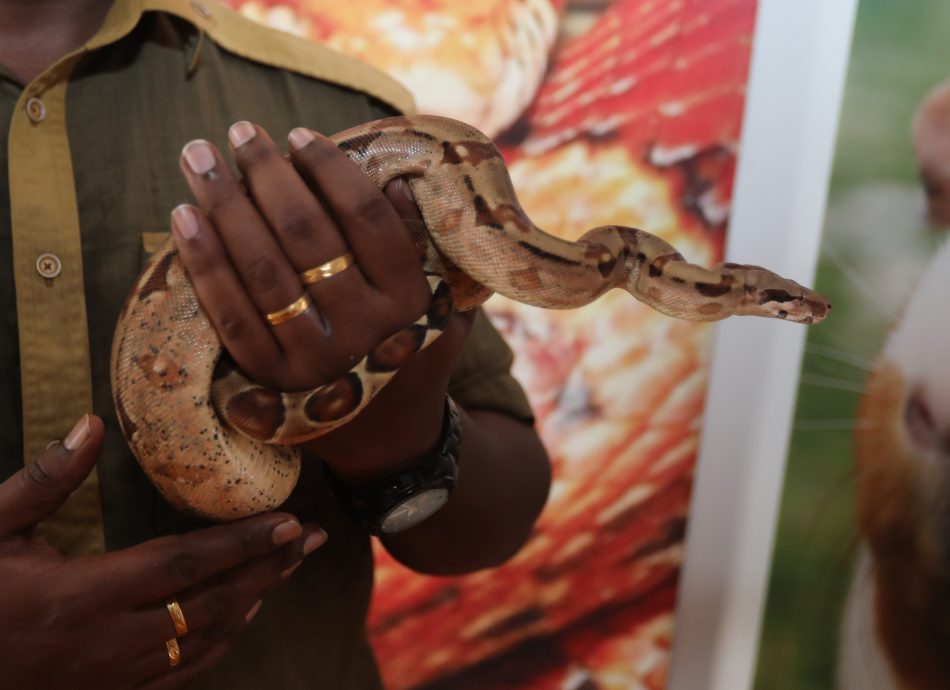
{"x":919,"y":420}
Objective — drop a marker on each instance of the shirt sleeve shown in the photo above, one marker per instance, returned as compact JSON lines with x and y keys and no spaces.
{"x":482,"y":377}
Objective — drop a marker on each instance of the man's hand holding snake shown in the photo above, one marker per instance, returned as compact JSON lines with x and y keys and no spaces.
{"x":303,"y":269}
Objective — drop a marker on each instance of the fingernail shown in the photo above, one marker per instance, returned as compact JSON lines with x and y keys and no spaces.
{"x":241,"y":133}
{"x":314,"y":541}
{"x":253,"y":612}
{"x":290,"y":571}
{"x":300,"y":137}
{"x":78,"y":435}
{"x":199,"y":156}
{"x":184,"y":221}
{"x":286,"y":531}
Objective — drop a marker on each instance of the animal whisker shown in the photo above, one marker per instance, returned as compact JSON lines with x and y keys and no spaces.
{"x":831,"y":424}
{"x":832,"y":383}
{"x":842,"y":356}
{"x":870,"y":292}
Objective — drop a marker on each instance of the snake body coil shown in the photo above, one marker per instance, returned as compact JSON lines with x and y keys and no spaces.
{"x":217,"y":445}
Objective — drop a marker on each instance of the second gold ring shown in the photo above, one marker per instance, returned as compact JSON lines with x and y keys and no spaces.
{"x":292,"y":310}
{"x":174,"y":651}
{"x":327,"y":270}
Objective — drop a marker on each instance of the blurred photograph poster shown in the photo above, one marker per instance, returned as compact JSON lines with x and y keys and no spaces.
{"x":860,"y":580}
{"x":621,"y":112}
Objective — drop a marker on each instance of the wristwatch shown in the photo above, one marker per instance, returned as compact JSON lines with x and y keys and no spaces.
{"x":403,"y":500}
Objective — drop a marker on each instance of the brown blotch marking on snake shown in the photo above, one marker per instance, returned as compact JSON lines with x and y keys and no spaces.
{"x":710,"y":308}
{"x":775,"y":295}
{"x":659,"y":263}
{"x":719,"y":289}
{"x":471,"y":152}
{"x":361,"y":143}
{"x":599,"y":253}
{"x":193,"y":474}
{"x":452,"y":222}
{"x":484,"y":215}
{"x":525,"y":279}
{"x":158,"y":278}
{"x":441,"y":307}
{"x":159,"y":371}
{"x":335,"y":400}
{"x":393,"y":352}
{"x":548,"y":256}
{"x":258,"y":412}
{"x":505,"y":214}
{"x":373,"y":162}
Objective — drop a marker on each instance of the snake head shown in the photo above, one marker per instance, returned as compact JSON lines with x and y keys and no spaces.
{"x":771,"y":295}
{"x":792,"y":302}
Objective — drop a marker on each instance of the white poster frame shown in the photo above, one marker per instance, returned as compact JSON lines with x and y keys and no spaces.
{"x":799,"y":64}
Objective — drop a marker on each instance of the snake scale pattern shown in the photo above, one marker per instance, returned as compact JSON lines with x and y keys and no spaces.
{"x":219,"y":446}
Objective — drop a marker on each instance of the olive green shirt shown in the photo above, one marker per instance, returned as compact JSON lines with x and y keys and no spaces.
{"x":87,"y":181}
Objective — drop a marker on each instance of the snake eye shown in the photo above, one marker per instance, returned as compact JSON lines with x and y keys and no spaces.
{"x":782,"y":314}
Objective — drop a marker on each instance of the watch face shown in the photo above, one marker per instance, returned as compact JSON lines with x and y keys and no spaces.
{"x":414,"y":510}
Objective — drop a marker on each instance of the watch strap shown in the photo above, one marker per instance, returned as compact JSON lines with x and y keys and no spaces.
{"x":439,"y":470}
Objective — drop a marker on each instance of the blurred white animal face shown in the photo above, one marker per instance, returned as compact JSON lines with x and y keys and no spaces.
{"x":920,"y":348}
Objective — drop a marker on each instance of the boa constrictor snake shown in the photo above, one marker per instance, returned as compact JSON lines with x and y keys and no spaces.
{"x":220,"y":446}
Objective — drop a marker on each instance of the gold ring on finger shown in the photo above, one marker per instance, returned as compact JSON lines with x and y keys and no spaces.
{"x":292,"y":310}
{"x":329,"y":269}
{"x":174,"y":652}
{"x":177,"y":615}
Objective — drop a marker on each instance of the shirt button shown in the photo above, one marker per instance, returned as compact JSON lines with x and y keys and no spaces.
{"x":48,"y":265}
{"x":36,"y":109}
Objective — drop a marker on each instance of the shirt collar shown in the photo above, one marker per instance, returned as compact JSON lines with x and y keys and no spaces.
{"x":125,"y":15}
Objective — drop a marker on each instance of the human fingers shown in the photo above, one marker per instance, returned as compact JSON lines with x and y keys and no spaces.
{"x":400,"y":195}
{"x":221,"y":293}
{"x":192,"y":665}
{"x":300,"y":223}
{"x":368,"y":222}
{"x":230,"y":596}
{"x":217,"y":612}
{"x":240,"y":273}
{"x":164,"y":567}
{"x":310,"y":238}
{"x":37,"y":490}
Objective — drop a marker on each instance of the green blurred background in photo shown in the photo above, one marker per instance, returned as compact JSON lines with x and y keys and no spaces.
{"x":876,"y":241}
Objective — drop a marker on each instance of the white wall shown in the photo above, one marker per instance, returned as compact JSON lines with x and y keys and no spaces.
{"x":798,"y":68}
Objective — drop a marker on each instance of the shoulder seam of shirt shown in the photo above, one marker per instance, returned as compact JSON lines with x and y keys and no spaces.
{"x":244,"y":37}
